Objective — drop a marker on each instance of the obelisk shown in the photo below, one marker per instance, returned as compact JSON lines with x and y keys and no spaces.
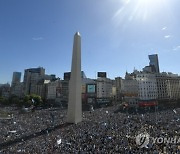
{"x":74,"y":114}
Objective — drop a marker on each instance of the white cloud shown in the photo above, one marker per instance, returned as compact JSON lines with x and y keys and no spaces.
{"x":167,"y":36}
{"x":37,"y":38}
{"x":176,"y":48}
{"x":164,"y":28}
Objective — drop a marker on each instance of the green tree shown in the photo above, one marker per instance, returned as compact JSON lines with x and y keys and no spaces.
{"x":26,"y":98}
{"x":33,"y":99}
{"x":4,"y":101}
{"x":26,"y":101}
{"x":14,"y":100}
{"x":37,"y":100}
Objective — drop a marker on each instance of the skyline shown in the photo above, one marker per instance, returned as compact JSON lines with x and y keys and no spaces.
{"x":116,"y":35}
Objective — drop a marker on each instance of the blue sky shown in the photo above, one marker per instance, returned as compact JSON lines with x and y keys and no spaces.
{"x":117,"y":35}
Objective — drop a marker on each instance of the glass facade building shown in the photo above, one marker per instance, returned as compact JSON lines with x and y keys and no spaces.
{"x":154,"y":62}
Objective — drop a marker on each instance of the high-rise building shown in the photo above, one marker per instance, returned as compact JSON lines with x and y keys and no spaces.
{"x":16,"y":84}
{"x":154,"y":63}
{"x":31,"y":77}
{"x":16,"y":78}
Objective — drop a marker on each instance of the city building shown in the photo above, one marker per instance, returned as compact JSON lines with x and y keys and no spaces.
{"x":147,"y":86}
{"x":154,"y":63}
{"x":16,"y":78}
{"x":129,"y":86}
{"x":129,"y":90}
{"x":88,"y":91}
{"x":5,"y":90}
{"x":118,"y":86}
{"x":51,"y":77}
{"x":114,"y":94}
{"x":16,"y":85}
{"x":65,"y":90}
{"x":54,"y":92}
{"x":17,"y":89}
{"x":149,"y":69}
{"x":168,"y":86}
{"x":31,"y":77}
{"x":104,"y":87}
{"x":42,"y":88}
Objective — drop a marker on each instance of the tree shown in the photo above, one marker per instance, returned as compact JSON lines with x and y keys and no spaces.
{"x":14,"y":100}
{"x":37,"y":100}
{"x":26,"y":98}
{"x":32,"y":99}
{"x":4,"y":101}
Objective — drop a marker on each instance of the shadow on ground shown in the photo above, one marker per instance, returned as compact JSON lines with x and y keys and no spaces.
{"x":34,"y":135}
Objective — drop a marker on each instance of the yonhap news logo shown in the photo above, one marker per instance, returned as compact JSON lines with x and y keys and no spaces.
{"x":143,"y":140}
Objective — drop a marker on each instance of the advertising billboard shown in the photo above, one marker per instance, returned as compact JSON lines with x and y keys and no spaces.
{"x":91,"y":88}
{"x":102,"y":74}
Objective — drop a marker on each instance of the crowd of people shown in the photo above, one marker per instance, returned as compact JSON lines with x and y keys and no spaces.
{"x":101,"y":131}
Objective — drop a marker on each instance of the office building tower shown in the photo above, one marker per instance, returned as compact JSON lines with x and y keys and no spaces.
{"x":16,"y":78}
{"x":154,"y":63}
{"x":31,"y":77}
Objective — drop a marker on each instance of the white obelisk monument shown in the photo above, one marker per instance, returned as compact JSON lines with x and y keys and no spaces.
{"x":74,"y":114}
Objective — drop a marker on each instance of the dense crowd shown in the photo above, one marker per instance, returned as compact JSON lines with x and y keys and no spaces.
{"x":102,"y":131}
